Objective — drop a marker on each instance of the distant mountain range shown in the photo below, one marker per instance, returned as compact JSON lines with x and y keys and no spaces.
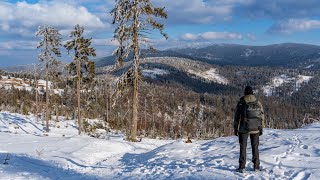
{"x":288,"y":55}
{"x":277,"y":55}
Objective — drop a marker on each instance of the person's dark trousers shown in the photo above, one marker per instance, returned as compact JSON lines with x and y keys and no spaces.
{"x":243,"y":139}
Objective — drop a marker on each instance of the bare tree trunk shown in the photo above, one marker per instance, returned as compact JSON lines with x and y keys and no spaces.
{"x":135,"y":97}
{"x":78,"y":96}
{"x":43,"y":112}
{"x":153,"y":122}
{"x":145,"y":114}
{"x":57,"y":114}
{"x":47,"y":99}
{"x":107,"y":105}
{"x":36,"y":85}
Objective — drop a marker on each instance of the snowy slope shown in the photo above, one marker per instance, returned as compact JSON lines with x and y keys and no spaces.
{"x":21,"y":84}
{"x":279,"y":81}
{"x":285,"y":154}
{"x":153,"y":73}
{"x":211,"y":75}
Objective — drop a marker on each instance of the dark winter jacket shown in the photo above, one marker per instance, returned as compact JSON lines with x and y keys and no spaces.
{"x":239,"y":120}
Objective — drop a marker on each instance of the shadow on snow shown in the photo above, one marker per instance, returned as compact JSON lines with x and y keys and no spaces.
{"x":26,"y":167}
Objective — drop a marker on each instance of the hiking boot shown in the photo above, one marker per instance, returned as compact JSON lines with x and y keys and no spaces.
{"x":240,"y":170}
{"x":256,"y":169}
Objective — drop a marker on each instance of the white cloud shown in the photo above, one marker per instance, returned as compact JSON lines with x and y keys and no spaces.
{"x":221,"y":35}
{"x":294,"y":25}
{"x":212,"y":36}
{"x":190,"y":36}
{"x":251,"y":37}
{"x":18,"y":44}
{"x":199,"y":11}
{"x":105,"y":42}
{"x":23,"y":15}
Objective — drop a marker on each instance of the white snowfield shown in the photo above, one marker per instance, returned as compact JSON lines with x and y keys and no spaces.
{"x":153,"y":73}
{"x":285,"y":154}
{"x":278,"y":81}
{"x":211,"y":75}
{"x":20,"y":84}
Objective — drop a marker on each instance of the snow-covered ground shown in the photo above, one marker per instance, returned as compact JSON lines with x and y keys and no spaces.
{"x":302,"y":79}
{"x":309,"y":66}
{"x":285,"y":154}
{"x":248,"y":52}
{"x":153,"y":73}
{"x":278,"y":81}
{"x":211,"y":75}
{"x":16,"y":82}
{"x":21,"y":84}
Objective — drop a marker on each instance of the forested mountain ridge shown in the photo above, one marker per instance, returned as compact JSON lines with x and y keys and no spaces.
{"x":277,"y":55}
{"x":180,"y":96}
{"x":213,"y":90}
{"x":202,"y":77}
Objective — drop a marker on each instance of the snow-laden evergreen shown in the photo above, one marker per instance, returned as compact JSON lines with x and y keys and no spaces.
{"x":49,"y":48}
{"x":63,"y":154}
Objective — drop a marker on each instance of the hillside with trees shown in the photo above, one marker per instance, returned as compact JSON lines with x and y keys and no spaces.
{"x":175,"y":100}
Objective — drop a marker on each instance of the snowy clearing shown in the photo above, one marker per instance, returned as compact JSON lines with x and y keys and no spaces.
{"x":285,"y":154}
{"x":153,"y":73}
{"x":285,"y":79}
{"x":248,"y":52}
{"x":310,"y":66}
{"x":211,"y":75}
{"x":21,"y":84}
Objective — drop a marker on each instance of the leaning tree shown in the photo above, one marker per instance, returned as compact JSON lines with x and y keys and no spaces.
{"x":134,"y":19}
{"x":49,"y":50}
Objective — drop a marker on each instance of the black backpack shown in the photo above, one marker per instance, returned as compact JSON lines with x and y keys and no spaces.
{"x":252,"y":114}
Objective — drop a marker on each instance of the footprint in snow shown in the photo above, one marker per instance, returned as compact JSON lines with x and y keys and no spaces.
{"x":304,"y":146}
{"x":301,"y":175}
{"x":218,"y":162}
{"x":304,"y":154}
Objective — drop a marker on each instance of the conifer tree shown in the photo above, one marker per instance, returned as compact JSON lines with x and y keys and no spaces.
{"x":49,"y":50}
{"x":81,"y":50}
{"x":134,"y":20}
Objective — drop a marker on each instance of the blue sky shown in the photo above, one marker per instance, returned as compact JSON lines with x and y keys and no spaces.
{"x":191,"y":22}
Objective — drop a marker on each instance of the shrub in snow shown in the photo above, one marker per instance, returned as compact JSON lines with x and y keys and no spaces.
{"x":6,"y":160}
{"x":188,"y":140}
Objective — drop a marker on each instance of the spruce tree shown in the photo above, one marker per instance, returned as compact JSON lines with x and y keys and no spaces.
{"x":49,"y":50}
{"x":134,"y":20}
{"x":81,"y":50}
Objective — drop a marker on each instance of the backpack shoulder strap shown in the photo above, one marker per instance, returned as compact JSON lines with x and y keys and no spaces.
{"x":243,"y":101}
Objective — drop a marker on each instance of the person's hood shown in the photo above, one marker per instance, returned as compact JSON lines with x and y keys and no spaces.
{"x":250,"y":98}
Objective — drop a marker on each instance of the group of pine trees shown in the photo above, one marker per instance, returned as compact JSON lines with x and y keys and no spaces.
{"x":133,"y":19}
{"x":78,"y":47}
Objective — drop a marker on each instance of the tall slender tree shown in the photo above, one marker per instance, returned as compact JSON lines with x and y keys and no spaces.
{"x":134,"y":20}
{"x":36,"y":85}
{"x":49,"y":50}
{"x":81,"y":50}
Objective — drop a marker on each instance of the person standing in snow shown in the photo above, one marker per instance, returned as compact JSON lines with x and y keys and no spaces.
{"x":249,"y":121}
